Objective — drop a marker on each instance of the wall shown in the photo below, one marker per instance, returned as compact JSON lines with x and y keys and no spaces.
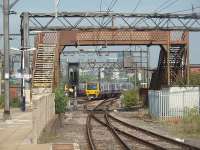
{"x":14,"y":92}
{"x":195,"y":68}
{"x":43,"y":113}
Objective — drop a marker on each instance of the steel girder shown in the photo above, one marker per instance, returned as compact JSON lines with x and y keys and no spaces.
{"x":109,"y":65}
{"x":106,"y":52}
{"x":111,"y":21}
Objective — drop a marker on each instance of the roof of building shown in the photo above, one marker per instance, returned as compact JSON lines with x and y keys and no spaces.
{"x":194,"y":65}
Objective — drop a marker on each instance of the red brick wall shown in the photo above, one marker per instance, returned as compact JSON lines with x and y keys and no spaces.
{"x":195,"y":70}
{"x":13,"y":92}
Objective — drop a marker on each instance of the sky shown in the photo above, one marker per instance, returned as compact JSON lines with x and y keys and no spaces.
{"x":137,"y":6}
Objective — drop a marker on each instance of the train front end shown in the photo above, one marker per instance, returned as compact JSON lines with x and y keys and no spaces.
{"x":92,"y":90}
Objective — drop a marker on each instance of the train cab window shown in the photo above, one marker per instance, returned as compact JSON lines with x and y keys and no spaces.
{"x":91,"y":86}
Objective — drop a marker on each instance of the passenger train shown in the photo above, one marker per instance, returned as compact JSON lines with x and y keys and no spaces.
{"x":106,"y":89}
{"x":95,"y":90}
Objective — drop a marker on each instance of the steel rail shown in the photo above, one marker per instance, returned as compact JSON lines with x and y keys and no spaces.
{"x":89,"y":133}
{"x":131,"y":136}
{"x":155,"y":134}
{"x":115,"y":130}
{"x":103,"y":102}
{"x":155,"y":146}
{"x":88,"y":124}
{"x":112,"y":131}
{"x":138,"y":139}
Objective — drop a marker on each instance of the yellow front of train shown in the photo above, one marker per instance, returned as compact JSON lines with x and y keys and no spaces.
{"x":92,"y":90}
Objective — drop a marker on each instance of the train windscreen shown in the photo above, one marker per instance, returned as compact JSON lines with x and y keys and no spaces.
{"x":92,"y":86}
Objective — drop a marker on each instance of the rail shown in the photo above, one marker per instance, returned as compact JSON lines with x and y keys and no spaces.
{"x":183,"y":145}
{"x":88,"y":123}
{"x":89,"y":133}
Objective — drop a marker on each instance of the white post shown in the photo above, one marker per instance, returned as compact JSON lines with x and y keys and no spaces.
{"x":75,"y":98}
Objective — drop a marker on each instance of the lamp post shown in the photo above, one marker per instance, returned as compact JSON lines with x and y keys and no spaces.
{"x":23,"y":75}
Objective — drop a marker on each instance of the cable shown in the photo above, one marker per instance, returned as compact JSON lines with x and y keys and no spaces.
{"x":184,"y":10}
{"x":138,"y":3}
{"x":161,"y":5}
{"x":100,"y":7}
{"x":111,"y":5}
{"x":136,"y":6}
{"x":169,"y":5}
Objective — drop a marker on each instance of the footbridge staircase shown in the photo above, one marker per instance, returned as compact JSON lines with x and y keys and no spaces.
{"x":45,"y":63}
{"x":172,"y":64}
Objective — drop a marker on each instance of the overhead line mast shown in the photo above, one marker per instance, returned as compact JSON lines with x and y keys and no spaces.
{"x":6,"y":71}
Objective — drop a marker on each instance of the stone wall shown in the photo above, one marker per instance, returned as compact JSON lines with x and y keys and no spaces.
{"x":43,"y":113}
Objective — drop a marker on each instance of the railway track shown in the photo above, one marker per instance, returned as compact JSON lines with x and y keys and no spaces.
{"x":154,"y":140}
{"x":122,"y":130}
{"x":99,"y":107}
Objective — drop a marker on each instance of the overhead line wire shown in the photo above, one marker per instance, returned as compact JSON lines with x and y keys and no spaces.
{"x":138,"y":3}
{"x":111,"y":5}
{"x":169,"y":5}
{"x":184,"y":10}
{"x":161,"y":5}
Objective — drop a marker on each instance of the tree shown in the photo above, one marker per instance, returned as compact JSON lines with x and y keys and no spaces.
{"x":60,"y":103}
{"x":194,"y":80}
{"x":87,"y":78}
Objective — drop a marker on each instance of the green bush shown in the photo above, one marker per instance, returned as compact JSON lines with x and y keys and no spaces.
{"x":15,"y":102}
{"x":130,"y":98}
{"x":60,"y":101}
{"x":1,"y":101}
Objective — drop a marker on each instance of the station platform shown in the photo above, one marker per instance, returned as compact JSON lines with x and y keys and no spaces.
{"x":16,"y":134}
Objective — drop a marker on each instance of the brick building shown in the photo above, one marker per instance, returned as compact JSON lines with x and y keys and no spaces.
{"x":195,"y":68}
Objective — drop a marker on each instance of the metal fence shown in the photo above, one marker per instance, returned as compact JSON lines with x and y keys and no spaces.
{"x":174,"y":102}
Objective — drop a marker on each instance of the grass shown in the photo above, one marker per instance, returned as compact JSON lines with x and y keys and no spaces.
{"x":188,"y":126}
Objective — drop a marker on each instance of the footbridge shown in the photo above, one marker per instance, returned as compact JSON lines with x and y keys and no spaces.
{"x":169,"y":31}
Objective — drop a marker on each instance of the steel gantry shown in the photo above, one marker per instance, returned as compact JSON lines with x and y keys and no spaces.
{"x":169,"y":31}
{"x":126,"y":59}
{"x":111,"y":21}
{"x":98,"y":65}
